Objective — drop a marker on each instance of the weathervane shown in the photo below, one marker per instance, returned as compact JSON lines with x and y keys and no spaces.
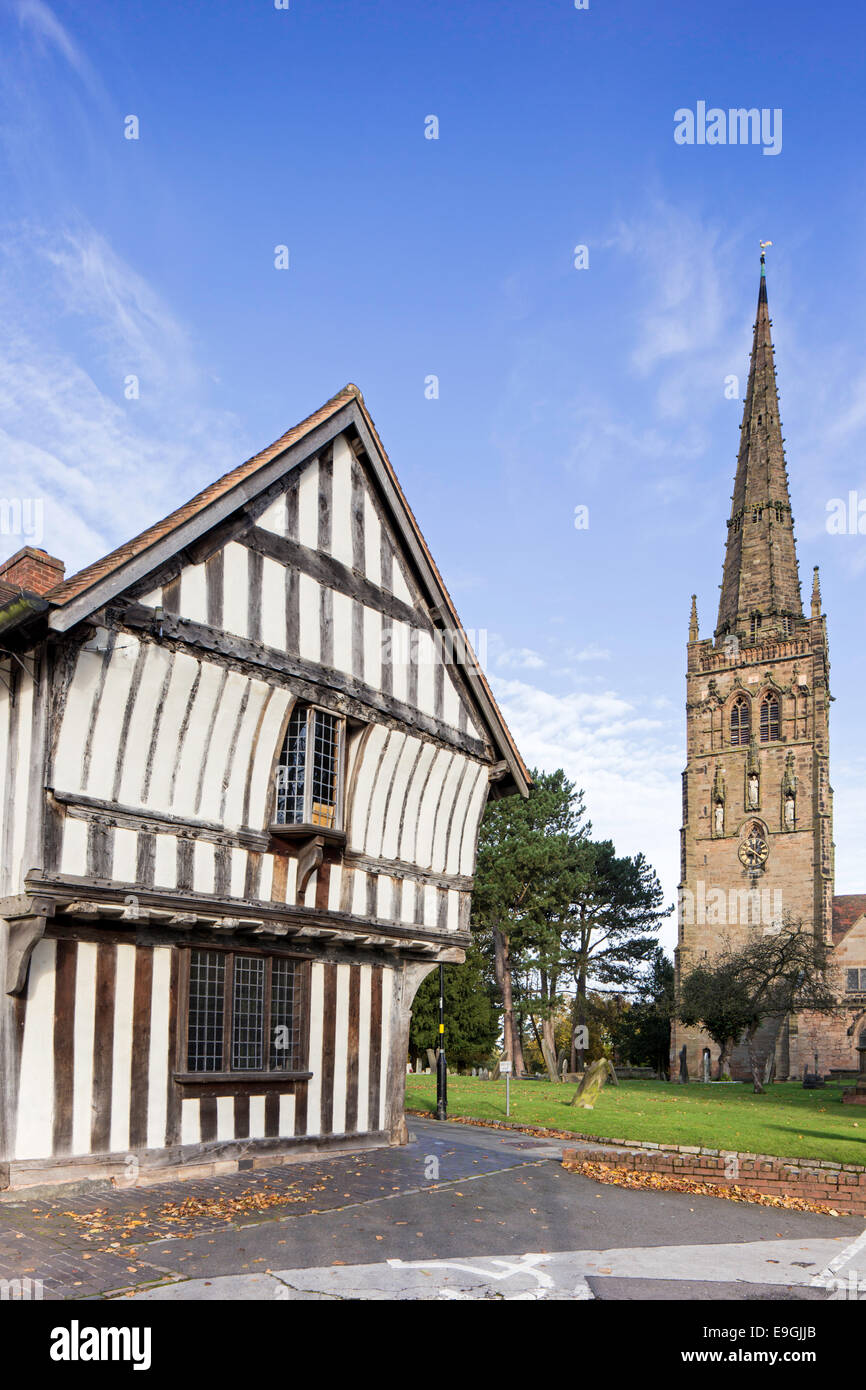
{"x":764,"y":245}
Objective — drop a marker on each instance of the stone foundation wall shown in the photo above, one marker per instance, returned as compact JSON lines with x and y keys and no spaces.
{"x":840,"y":1186}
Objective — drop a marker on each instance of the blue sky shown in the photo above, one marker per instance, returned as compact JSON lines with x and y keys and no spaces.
{"x":411,"y":257}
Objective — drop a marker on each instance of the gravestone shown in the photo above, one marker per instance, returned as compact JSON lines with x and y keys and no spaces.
{"x":857,"y":1094}
{"x":590,"y":1087}
{"x":705,"y":1065}
{"x":684,"y":1066}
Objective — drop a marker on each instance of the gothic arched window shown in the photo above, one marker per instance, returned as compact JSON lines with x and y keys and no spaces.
{"x":769,"y":718}
{"x":309,"y":771}
{"x":740,"y":721}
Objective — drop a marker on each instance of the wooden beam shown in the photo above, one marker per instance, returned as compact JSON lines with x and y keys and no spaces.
{"x":138,"y":818}
{"x":138,"y":566}
{"x":436,"y":596}
{"x":309,"y":859}
{"x":309,"y":681}
{"x":24,"y":932}
{"x":222,"y":914}
{"x":401,"y":868}
{"x":332,"y":574}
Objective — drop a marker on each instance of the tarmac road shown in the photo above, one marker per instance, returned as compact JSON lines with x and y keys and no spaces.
{"x":467,"y":1213}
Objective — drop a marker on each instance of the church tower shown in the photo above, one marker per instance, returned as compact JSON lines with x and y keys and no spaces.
{"x":757,"y":834}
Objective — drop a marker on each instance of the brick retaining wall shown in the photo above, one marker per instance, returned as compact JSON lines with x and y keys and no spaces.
{"x":840,"y":1186}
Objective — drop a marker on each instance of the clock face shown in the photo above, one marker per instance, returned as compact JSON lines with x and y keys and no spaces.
{"x":754,"y":850}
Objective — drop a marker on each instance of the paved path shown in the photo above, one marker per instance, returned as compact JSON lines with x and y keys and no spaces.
{"x":461,"y":1212}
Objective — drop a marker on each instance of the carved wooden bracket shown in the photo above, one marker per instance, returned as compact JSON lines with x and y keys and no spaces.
{"x":309,"y":860}
{"x":24,"y":932}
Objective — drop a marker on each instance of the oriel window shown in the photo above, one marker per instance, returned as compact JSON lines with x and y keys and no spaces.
{"x":310,"y":769}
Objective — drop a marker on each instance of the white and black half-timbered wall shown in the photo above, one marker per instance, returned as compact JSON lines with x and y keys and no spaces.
{"x":243,"y":763}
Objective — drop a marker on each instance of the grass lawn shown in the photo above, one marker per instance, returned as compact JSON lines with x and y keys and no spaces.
{"x":786,"y":1120}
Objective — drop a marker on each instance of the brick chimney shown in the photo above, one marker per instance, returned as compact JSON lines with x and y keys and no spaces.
{"x":33,"y":570}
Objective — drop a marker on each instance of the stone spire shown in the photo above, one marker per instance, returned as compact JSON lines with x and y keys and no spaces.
{"x":760,"y":584}
{"x":693,"y":620}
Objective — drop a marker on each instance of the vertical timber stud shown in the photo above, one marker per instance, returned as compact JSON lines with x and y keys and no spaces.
{"x":441,"y":1068}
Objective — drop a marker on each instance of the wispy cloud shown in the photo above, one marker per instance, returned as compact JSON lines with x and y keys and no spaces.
{"x":43,"y":25}
{"x":688,"y":333}
{"x":627,"y":761}
{"x":592,"y":652}
{"x":71,"y":429}
{"x":520,"y":656}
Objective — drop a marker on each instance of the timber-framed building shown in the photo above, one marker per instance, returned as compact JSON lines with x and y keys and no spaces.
{"x":243,"y":762}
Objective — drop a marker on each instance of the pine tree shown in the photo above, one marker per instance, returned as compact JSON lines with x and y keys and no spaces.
{"x":471,"y":1022}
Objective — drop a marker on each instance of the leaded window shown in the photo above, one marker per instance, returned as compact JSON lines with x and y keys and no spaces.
{"x":248,"y":1022}
{"x":309,"y":770}
{"x":244,"y":1012}
{"x":855,"y":981}
{"x":285,"y":1029}
{"x":206,"y":1007}
{"x":769,"y":718}
{"x":740,"y":722}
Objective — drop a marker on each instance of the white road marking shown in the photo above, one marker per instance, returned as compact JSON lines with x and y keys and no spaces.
{"x":829,"y":1278}
{"x":560,"y":1276}
{"x":527,"y":1264}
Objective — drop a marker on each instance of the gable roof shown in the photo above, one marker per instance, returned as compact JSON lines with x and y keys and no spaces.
{"x":97,"y":584}
{"x":848,"y":908}
{"x":228,"y":486}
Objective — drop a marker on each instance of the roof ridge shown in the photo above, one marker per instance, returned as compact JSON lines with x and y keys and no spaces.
{"x":74,"y":590}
